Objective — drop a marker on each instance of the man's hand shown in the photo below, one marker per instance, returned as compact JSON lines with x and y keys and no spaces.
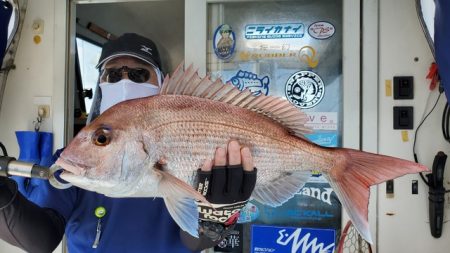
{"x":227,"y":183}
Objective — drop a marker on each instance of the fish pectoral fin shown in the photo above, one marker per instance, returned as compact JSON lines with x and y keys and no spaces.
{"x":280,"y":190}
{"x":180,"y":199}
{"x":184,"y":213}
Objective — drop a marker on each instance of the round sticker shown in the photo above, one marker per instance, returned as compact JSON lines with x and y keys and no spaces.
{"x":305,"y":89}
{"x":321,"y":30}
{"x":224,"y":42}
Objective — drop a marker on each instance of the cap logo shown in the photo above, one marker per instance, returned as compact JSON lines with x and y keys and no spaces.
{"x":146,"y":49}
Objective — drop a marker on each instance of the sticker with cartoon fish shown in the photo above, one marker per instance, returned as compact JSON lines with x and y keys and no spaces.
{"x":224,"y":42}
{"x":321,"y":30}
{"x":305,"y":89}
{"x":248,"y":80}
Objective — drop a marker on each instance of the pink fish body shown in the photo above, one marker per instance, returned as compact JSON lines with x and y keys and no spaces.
{"x":152,"y":147}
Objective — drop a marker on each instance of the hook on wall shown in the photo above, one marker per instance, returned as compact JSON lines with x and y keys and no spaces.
{"x":39,"y":119}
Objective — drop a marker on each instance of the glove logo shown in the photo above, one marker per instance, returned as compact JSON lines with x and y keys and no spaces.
{"x":220,"y":213}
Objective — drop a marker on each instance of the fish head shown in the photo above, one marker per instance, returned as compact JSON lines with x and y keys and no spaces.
{"x":108,"y":156}
{"x":237,"y":83}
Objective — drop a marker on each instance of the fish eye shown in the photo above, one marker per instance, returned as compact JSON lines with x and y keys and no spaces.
{"x":101,"y":137}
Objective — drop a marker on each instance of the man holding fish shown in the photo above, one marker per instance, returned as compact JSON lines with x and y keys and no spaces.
{"x":130,"y":68}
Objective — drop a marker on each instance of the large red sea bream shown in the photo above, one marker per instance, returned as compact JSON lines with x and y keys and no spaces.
{"x":119,"y":153}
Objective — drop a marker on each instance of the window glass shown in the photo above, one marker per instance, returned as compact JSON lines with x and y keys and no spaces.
{"x":88,"y":55}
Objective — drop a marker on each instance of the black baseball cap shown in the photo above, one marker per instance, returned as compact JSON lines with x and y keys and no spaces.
{"x":130,"y":44}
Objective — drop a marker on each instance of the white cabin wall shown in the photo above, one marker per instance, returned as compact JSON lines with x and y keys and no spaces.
{"x":403,"y":219}
{"x":40,"y":71}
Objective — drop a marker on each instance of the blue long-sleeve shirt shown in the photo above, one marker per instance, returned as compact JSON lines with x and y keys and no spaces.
{"x":130,"y":224}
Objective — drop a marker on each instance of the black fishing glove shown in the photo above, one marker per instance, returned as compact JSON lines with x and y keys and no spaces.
{"x":228,"y":189}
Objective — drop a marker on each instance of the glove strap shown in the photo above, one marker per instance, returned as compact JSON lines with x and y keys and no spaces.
{"x":227,"y":214}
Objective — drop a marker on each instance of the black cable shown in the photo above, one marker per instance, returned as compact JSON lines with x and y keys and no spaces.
{"x":415,"y":137}
{"x":445,"y":123}
{"x":3,"y":149}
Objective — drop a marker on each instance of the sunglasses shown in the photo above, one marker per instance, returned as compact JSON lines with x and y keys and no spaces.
{"x":137,"y":75}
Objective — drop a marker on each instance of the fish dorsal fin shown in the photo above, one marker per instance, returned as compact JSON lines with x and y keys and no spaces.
{"x":189,"y":83}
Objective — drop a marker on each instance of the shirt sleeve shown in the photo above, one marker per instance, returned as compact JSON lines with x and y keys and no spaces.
{"x":41,"y":193}
{"x":25,"y":224}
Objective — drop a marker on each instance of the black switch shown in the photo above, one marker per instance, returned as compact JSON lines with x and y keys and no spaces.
{"x":390,"y":187}
{"x":403,"y":87}
{"x":403,"y":117}
{"x":415,"y":187}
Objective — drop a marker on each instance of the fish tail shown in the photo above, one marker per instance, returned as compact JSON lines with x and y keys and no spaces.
{"x":353,"y":174}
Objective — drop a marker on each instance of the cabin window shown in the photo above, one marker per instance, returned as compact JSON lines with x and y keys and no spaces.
{"x":88,"y":54}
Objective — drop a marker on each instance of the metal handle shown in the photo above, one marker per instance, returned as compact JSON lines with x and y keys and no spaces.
{"x":9,"y":166}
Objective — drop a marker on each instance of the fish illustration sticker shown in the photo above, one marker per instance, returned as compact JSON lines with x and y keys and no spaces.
{"x":224,"y":42}
{"x":305,"y":89}
{"x":248,"y":80}
{"x":321,"y":30}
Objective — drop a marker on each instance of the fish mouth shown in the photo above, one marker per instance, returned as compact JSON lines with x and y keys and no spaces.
{"x":89,"y":184}
{"x":76,"y":174}
{"x":70,"y":167}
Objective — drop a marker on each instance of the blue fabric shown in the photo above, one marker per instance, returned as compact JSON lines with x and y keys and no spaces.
{"x":35,"y":147}
{"x":5,"y":16}
{"x":442,"y":42}
{"x":46,"y":149}
{"x":28,"y":142}
{"x":28,"y":146}
{"x":130,"y":225}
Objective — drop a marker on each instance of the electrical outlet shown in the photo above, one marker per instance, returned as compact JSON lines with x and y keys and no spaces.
{"x":415,"y":187}
{"x":43,"y":106}
{"x":44,"y":111}
{"x":390,"y":188}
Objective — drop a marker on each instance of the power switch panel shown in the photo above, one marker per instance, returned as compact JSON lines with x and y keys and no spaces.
{"x":390,"y":187}
{"x":415,"y":187}
{"x":403,"y":117}
{"x":403,"y":87}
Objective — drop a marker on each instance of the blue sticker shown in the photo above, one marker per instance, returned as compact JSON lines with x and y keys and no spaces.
{"x":224,"y":42}
{"x":288,"y":239}
{"x":324,"y":139}
{"x":248,"y":80}
{"x":248,"y":213}
{"x":275,"y":31}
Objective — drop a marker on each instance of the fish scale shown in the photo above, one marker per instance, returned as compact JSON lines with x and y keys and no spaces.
{"x":183,"y":141}
{"x":181,"y":128}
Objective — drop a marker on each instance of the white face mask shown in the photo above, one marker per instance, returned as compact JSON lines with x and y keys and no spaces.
{"x":125,"y":89}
